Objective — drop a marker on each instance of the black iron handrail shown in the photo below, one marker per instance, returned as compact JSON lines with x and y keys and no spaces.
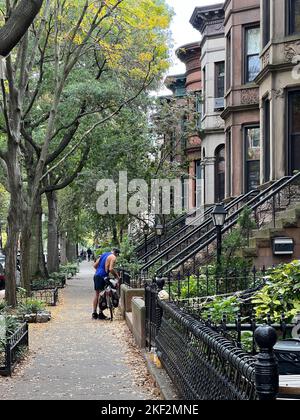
{"x":178,"y":232}
{"x":169,"y":228}
{"x":197,"y":229}
{"x":231,"y":221}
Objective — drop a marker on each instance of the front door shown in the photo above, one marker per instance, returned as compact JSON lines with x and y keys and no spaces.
{"x":294,"y":132}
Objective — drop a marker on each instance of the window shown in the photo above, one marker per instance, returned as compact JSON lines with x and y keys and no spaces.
{"x":198,"y":110}
{"x":267,"y":22}
{"x":252,"y":148}
{"x":228,"y":63}
{"x":219,"y":79}
{"x":204,"y":91}
{"x":198,"y":183}
{"x":252,"y":50}
{"x":294,"y":16}
{"x":220,"y":174}
{"x":294,"y":131}
{"x":267,"y":149}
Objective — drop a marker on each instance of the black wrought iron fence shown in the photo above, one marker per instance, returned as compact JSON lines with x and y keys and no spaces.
{"x":208,"y":281}
{"x":203,"y":359}
{"x":48,"y":296}
{"x":203,"y":364}
{"x":131,"y":279}
{"x":13,"y":350}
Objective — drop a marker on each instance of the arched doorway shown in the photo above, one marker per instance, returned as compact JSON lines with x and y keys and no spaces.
{"x":220,"y":174}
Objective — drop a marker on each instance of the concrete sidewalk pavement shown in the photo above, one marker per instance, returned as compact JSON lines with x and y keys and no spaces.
{"x":75,"y":357}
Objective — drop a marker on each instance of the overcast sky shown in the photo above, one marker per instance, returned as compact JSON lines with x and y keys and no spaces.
{"x":182,"y":30}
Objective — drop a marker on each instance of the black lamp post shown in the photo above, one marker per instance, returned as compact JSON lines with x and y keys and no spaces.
{"x":146,"y":231}
{"x":219,"y":214}
{"x":159,"y":229}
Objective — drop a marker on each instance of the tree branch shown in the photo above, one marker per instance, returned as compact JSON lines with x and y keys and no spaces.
{"x":71,"y":178}
{"x":17,"y":24}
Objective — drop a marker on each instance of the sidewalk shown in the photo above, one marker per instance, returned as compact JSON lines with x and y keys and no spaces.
{"x":74,"y":357}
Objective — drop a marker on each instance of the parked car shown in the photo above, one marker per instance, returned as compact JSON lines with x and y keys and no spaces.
{"x":2,"y":272}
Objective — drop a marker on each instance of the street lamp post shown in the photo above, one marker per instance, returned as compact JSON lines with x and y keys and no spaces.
{"x":219,"y":214}
{"x":146,"y":231}
{"x":159,"y":229}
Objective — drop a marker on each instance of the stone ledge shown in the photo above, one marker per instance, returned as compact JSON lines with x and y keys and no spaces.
{"x":162,"y":380}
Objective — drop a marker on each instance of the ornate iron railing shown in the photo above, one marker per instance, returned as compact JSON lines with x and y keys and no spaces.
{"x":193,"y":221}
{"x":49,"y":284}
{"x":202,"y":363}
{"x":48,"y":296}
{"x":171,"y":227}
{"x":265,"y":208}
{"x":13,"y":350}
{"x":200,"y":230}
{"x":209,"y":282}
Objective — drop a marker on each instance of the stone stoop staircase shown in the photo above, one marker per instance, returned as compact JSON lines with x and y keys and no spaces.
{"x":287,"y":225}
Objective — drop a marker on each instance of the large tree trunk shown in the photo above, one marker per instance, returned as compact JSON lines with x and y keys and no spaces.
{"x":63,"y":248}
{"x":37,"y":261}
{"x":17,"y":24}
{"x":25,"y":256}
{"x":11,"y":260}
{"x":53,"y":254}
{"x":14,"y":221}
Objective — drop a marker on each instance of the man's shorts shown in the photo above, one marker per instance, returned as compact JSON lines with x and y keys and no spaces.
{"x":99,"y":283}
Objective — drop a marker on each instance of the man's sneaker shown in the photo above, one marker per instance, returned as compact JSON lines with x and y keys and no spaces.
{"x":95,"y":315}
{"x":102,"y":317}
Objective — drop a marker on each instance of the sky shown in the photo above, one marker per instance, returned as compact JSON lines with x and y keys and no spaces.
{"x":182,"y":30}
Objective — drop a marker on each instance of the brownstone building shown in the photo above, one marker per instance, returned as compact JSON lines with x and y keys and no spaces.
{"x":190,"y":55}
{"x":241,"y":114}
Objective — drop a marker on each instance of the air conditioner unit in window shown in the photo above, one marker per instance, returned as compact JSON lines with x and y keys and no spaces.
{"x":219,"y":104}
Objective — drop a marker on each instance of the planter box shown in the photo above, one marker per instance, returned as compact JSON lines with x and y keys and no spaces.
{"x":49,"y":284}
{"x":13,"y":345}
{"x":48,"y":296}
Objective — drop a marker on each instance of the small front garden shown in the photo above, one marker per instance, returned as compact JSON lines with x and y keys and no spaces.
{"x":276,"y":301}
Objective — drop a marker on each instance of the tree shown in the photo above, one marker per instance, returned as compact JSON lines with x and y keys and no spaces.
{"x":19,"y":20}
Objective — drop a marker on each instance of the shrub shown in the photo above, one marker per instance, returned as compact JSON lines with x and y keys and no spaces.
{"x":31,"y":306}
{"x":220,"y":306}
{"x":281,"y":294}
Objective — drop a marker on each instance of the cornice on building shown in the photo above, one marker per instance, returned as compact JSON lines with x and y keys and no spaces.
{"x":209,"y":20}
{"x":238,"y":108}
{"x":189,"y":51}
{"x":172,"y":82}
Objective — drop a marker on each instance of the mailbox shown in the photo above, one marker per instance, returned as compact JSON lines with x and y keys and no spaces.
{"x":283,"y":246}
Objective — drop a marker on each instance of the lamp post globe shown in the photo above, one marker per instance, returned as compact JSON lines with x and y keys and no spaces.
{"x":219,"y":215}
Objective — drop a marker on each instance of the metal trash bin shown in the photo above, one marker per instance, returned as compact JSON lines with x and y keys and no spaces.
{"x":288,"y":355}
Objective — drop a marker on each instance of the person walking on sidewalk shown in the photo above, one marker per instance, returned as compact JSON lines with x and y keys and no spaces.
{"x":103,"y":266}
{"x":89,"y":254}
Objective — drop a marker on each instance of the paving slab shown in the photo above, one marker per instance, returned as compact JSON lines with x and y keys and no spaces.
{"x":76,"y":358}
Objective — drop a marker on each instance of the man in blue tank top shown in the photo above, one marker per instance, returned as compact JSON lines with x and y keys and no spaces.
{"x":104,"y":266}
